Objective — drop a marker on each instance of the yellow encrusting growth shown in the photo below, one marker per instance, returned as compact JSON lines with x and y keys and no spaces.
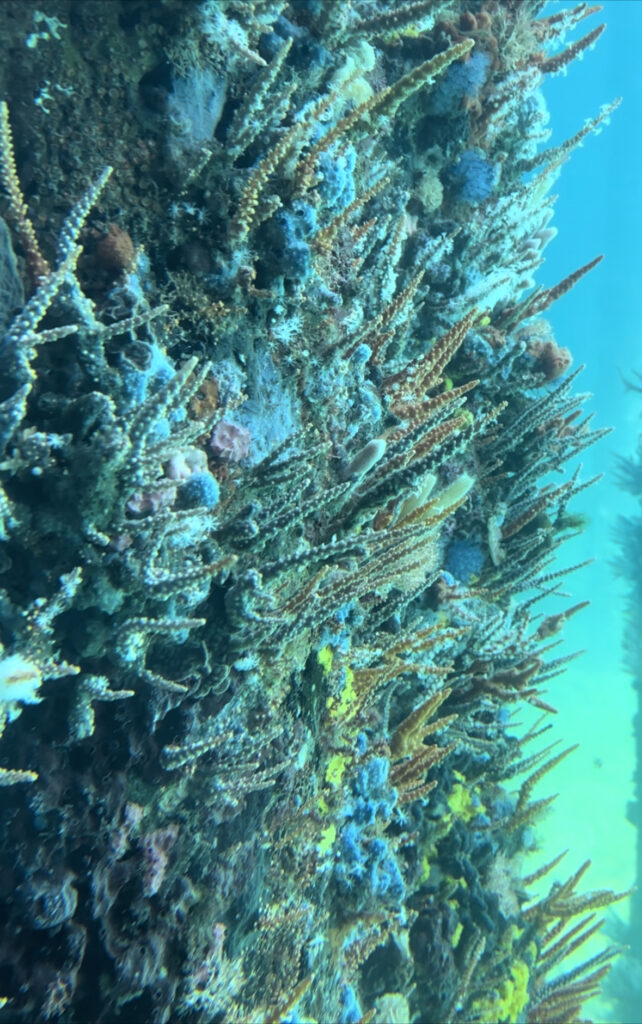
{"x":328,"y":836}
{"x":336,"y":767}
{"x":506,"y":1004}
{"x":463,"y":803}
{"x":324,"y":657}
{"x":341,"y":706}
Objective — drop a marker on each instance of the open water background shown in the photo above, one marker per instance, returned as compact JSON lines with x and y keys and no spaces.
{"x":599,"y":210}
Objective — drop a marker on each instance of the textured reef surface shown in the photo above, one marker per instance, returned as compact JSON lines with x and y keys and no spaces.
{"x":283,"y":441}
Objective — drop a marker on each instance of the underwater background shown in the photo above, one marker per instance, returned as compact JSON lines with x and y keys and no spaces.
{"x":291,"y":511}
{"x":600,"y":207}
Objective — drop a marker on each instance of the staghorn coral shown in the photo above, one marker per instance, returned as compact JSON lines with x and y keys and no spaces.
{"x":273,"y":529}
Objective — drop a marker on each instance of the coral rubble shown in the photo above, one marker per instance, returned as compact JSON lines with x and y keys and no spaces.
{"x":278,"y":402}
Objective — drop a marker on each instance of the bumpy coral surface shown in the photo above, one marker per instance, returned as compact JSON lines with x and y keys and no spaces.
{"x":276,"y":404}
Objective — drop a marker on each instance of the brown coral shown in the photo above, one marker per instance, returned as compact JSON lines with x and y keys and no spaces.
{"x":115,"y":252}
{"x":551,"y":359}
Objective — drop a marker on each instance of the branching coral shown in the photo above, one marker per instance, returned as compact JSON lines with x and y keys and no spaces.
{"x":271,"y":499}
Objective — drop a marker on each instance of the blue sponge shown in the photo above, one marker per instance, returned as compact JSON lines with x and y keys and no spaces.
{"x":200,"y":490}
{"x":462,"y":80}
{"x":464,"y":559}
{"x":473,"y":176}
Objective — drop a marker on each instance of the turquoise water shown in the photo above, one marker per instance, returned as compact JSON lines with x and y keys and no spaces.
{"x":599,"y":211}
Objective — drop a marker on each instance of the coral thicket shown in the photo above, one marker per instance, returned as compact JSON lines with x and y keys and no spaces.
{"x":278,"y":411}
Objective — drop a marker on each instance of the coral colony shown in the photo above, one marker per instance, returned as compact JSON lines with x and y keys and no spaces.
{"x":278,"y":411}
